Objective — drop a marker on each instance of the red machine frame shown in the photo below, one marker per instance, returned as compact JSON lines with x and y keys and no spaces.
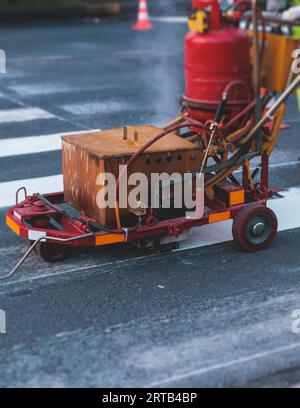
{"x":75,"y":232}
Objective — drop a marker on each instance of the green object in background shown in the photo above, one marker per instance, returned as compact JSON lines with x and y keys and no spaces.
{"x":296,"y":33}
{"x":298,"y":98}
{"x":295,"y":30}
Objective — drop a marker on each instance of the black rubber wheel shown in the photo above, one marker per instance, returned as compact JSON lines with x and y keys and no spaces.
{"x":51,"y":252}
{"x":255,"y":227}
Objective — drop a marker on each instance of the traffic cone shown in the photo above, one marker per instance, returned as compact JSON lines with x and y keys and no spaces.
{"x":143,"y":21}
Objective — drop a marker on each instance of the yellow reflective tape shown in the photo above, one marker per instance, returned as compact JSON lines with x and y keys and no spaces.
{"x":12,"y":225}
{"x":107,"y":239}
{"x":217,"y":217}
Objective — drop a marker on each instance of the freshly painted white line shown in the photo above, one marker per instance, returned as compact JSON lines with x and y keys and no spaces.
{"x":208,"y":235}
{"x":35,"y":185}
{"x":286,"y":210}
{"x":220,"y":366}
{"x":34,"y":144}
{"x":171,"y":19}
{"x":23,"y":114}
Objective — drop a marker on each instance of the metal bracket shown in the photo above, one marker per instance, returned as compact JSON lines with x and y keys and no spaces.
{"x":174,"y":230}
{"x":44,"y":239}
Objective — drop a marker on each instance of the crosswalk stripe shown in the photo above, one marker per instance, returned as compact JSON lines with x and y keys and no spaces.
{"x":24,"y":114}
{"x":91,"y":108}
{"x":43,"y":88}
{"x":286,"y":210}
{"x":171,"y":19}
{"x":34,"y":144}
{"x":54,"y":183}
{"x":41,"y":185}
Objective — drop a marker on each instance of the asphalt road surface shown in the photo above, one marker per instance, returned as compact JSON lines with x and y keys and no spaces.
{"x":210,"y":316}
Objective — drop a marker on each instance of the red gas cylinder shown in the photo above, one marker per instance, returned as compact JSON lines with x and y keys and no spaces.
{"x":215,"y":58}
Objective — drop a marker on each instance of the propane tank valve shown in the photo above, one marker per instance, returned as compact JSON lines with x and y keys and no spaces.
{"x":198,"y":21}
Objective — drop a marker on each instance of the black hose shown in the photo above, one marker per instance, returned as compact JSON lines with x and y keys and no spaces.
{"x":94,"y":226}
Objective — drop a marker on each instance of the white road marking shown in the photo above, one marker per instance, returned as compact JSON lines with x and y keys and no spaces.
{"x":287,"y":164}
{"x":97,"y":55}
{"x":286,"y":210}
{"x":23,"y":114}
{"x":207,"y":235}
{"x":57,"y":117}
{"x":40,"y":88}
{"x":171,"y":19}
{"x":45,"y":143}
{"x":34,"y":144}
{"x":35,"y":185}
{"x":91,"y":108}
{"x":220,"y":366}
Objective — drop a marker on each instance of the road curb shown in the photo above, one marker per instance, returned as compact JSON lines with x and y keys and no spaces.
{"x":13,"y":14}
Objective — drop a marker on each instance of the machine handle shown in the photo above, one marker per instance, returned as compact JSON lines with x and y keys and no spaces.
{"x":18,"y":192}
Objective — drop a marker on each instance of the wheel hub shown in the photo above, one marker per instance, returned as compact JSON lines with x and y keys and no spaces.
{"x":258,"y":229}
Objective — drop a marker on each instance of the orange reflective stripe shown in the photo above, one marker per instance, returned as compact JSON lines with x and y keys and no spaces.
{"x":237,"y":197}
{"x":217,"y":217}
{"x":12,"y":225}
{"x":107,"y":239}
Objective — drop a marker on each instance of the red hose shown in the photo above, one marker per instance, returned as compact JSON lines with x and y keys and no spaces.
{"x":237,"y":82}
{"x":239,"y":116}
{"x":148,"y":144}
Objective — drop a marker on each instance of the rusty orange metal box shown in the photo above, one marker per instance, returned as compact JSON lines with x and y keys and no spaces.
{"x":86,"y":156}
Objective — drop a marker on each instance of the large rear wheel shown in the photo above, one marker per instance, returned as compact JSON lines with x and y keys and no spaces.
{"x":254,"y":227}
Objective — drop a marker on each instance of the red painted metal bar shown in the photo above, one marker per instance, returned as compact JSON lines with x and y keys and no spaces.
{"x":172,"y":227}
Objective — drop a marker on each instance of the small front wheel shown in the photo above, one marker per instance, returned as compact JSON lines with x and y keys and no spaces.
{"x":254,"y":227}
{"x":51,"y":252}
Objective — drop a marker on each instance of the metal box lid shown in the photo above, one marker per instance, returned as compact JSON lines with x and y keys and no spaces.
{"x":111,"y":143}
